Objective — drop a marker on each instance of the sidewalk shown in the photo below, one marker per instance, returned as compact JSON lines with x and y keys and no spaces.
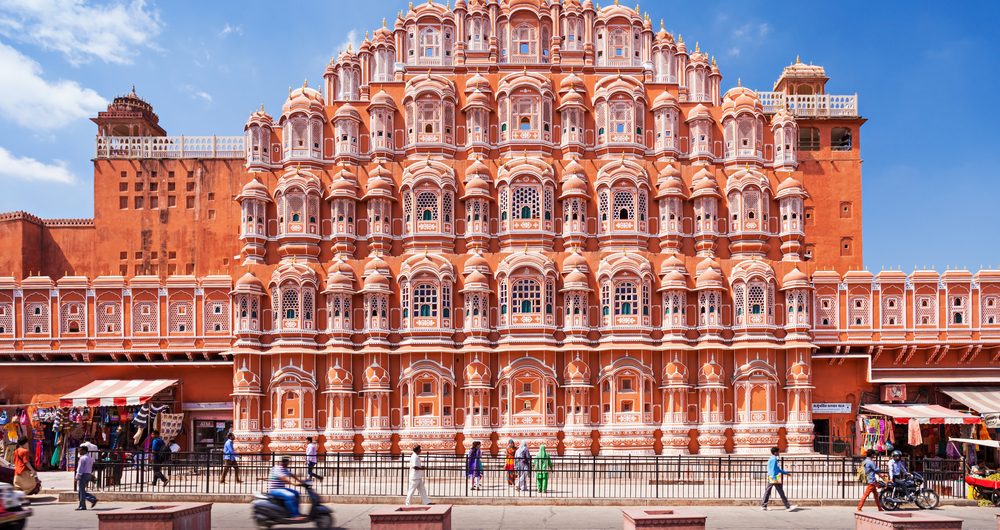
{"x":60,"y":516}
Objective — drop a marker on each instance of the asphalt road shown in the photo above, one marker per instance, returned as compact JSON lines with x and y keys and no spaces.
{"x":51,"y":515}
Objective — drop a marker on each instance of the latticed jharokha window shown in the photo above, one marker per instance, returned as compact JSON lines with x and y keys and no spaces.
{"x":525,"y":203}
{"x":808,"y":139}
{"x":526,"y":296}
{"x":217,"y":316}
{"x":425,"y":302}
{"x":181,"y":317}
{"x":427,"y":206}
{"x":626,"y":298}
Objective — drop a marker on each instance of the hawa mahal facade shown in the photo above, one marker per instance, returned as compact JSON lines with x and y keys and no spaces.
{"x":521,"y":219}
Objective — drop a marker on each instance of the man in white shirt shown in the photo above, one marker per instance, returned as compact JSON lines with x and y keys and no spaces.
{"x":84,"y":471}
{"x":311,"y":458}
{"x":91,"y":448}
{"x":417,"y":478}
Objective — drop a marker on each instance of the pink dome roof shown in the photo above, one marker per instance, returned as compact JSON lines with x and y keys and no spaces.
{"x":710,"y":373}
{"x":245,"y":380}
{"x":376,"y":264}
{"x":798,"y":373}
{"x":338,"y":376}
{"x":476,"y":261}
{"x":699,"y":111}
{"x":477,"y":374}
{"x":675,"y":373}
{"x":375,"y":280}
{"x":347,"y":111}
{"x":665,"y":99}
{"x":577,"y":372}
{"x":382,"y":99}
{"x":477,"y":167}
{"x":249,"y":280}
{"x":573,"y":167}
{"x":376,"y":376}
{"x":795,"y":279}
{"x":304,"y":99}
{"x":571,"y":82}
{"x":575,"y":261}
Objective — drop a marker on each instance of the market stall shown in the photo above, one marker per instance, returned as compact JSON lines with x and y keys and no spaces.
{"x":115,"y":415}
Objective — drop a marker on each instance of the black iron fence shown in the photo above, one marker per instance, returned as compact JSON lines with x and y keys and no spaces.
{"x":619,"y":477}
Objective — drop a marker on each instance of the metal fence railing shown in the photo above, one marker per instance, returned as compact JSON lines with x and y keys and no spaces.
{"x":620,"y":477}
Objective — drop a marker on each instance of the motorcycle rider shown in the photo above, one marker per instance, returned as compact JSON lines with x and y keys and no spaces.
{"x":900,"y":475}
{"x":280,"y":484}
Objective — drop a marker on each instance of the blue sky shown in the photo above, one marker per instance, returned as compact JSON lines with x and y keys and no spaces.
{"x":926,"y":73}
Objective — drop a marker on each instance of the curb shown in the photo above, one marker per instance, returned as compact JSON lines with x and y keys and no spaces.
{"x":69,"y":496}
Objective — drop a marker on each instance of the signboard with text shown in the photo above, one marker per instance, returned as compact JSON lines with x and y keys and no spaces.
{"x":832,"y":408}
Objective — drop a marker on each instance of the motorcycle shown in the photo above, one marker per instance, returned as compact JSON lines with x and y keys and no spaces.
{"x":269,"y":510}
{"x":895,"y":494}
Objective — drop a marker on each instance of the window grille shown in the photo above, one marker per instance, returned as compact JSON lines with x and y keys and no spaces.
{"x":217,"y":316}
{"x":145,"y":318}
{"x":526,"y":297}
{"x":425,"y":302}
{"x":525,"y":203}
{"x":180,"y":318}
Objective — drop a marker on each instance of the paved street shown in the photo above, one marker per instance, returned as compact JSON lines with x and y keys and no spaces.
{"x":61,"y":516}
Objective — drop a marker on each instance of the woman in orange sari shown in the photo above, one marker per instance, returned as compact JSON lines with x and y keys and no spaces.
{"x":508,"y":463}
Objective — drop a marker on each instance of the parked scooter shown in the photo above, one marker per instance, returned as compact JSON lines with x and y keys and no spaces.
{"x":269,"y":511}
{"x":912,"y":490}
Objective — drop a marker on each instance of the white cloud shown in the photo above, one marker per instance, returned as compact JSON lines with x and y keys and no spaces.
{"x":751,"y":30}
{"x":113,"y":33}
{"x":733,"y":52}
{"x":197,"y":93}
{"x":37,"y":103}
{"x":31,"y":170}
{"x":229,"y":29}
{"x":351,"y":40}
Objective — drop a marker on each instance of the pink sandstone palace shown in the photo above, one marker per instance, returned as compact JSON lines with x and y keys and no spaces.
{"x":525,"y":219}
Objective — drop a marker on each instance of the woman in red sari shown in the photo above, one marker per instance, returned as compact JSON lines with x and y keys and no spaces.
{"x":508,"y":464}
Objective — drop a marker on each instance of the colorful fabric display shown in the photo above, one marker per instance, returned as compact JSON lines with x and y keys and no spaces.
{"x":170,"y":425}
{"x":913,"y":436}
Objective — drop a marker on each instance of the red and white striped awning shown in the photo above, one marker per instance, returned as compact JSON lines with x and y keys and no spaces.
{"x":921,"y":413}
{"x":115,"y":392}
{"x":983,"y":400}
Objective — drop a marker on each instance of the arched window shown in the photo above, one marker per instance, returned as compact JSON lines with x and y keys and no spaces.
{"x":430,"y":43}
{"x":427,"y":206}
{"x":425,"y":300}
{"x":624,"y":204}
{"x":526,"y":296}
{"x":526,"y":203}
{"x":626,"y":298}
{"x":523,"y":39}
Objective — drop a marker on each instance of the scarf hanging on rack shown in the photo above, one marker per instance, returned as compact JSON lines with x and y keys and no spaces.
{"x":170,"y":425}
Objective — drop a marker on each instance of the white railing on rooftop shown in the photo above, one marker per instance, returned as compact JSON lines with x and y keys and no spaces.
{"x":170,"y":147}
{"x":812,"y":105}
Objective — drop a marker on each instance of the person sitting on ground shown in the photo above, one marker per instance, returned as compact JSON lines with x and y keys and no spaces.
{"x":280,"y":483}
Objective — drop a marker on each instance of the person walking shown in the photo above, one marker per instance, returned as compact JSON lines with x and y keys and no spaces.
{"x":522,"y":464}
{"x":25,"y":475}
{"x":229,"y":460}
{"x":312,"y":459}
{"x":774,"y":482}
{"x":474,"y":465}
{"x":84,"y":472}
{"x":871,"y":472}
{"x":543,"y":464}
{"x":417,"y":468}
{"x":508,"y":463}
{"x":160,"y":451}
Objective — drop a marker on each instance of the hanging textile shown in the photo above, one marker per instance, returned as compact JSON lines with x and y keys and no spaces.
{"x":170,"y":425}
{"x":913,"y":436}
